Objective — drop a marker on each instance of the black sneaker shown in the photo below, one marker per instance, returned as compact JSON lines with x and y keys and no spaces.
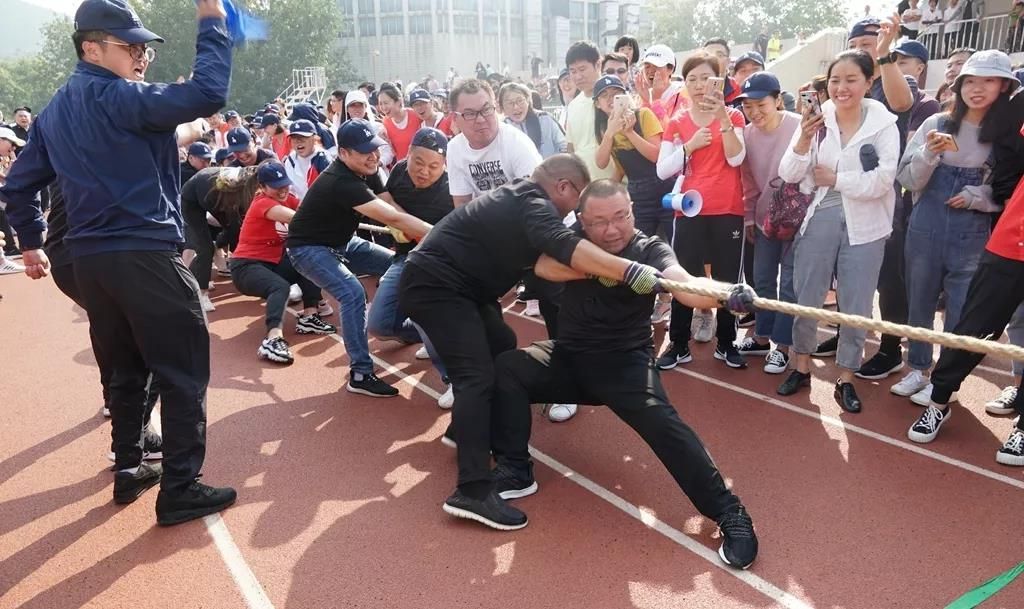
{"x":827,"y":348}
{"x":1012,"y":452}
{"x":746,"y":321}
{"x":313,"y":324}
{"x":673,"y":356}
{"x":152,"y":447}
{"x":749,"y":346}
{"x":492,"y":511}
{"x":739,"y":542}
{"x":730,"y":356}
{"x":275,"y":350}
{"x":129,"y":486}
{"x":369,"y":384}
{"x":512,"y":484}
{"x":194,"y":501}
{"x":880,"y":366}
{"x":794,"y":382}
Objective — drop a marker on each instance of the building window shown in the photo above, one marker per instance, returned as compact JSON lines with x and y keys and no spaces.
{"x":345,"y":6}
{"x":517,"y":28}
{"x":465,"y":5}
{"x":366,"y":7}
{"x":419,"y":5}
{"x":442,"y":6}
{"x":420,"y":24}
{"x":348,"y":28}
{"x":491,"y":25}
{"x":465,"y":24}
{"x":392,"y":26}
{"x":576,"y":10}
{"x":367,"y":26}
{"x":576,"y":30}
{"x":391,"y":6}
{"x":516,"y":8}
{"x":592,"y":11}
{"x":592,"y":33}
{"x":442,"y":24}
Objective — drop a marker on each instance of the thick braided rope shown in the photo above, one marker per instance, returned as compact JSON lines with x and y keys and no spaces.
{"x":374,"y":228}
{"x":946,"y":339}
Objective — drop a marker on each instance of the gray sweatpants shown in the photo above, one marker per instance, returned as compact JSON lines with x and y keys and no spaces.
{"x":825,"y":248}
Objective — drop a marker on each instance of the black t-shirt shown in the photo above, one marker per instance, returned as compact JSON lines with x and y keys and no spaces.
{"x":327,"y":215}
{"x":902,"y":118}
{"x":195,"y":191}
{"x":262,"y":154}
{"x":1009,"y":152}
{"x":187,"y":171}
{"x":595,"y":318}
{"x":483,"y":248}
{"x":428,"y":204}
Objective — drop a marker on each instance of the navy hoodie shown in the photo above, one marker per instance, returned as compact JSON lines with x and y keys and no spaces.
{"x":110,"y":144}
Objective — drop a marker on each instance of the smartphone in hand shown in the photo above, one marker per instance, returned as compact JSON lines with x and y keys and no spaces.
{"x":809,"y":99}
{"x":949,"y":141}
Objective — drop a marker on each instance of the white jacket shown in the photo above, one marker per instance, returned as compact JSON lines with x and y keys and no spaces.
{"x":869,"y":197}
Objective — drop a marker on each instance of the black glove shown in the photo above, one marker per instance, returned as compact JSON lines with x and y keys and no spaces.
{"x":640,"y":278}
{"x":740,"y":300}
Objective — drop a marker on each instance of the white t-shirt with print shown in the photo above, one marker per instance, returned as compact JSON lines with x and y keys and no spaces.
{"x":473,"y":172}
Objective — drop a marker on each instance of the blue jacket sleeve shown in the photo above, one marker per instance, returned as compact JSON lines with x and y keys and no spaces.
{"x":162,"y":107}
{"x":31,"y":173}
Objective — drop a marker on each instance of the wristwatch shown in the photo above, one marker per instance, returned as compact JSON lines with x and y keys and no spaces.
{"x":887,"y":59}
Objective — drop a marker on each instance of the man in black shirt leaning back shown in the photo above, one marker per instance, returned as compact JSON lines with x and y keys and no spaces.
{"x":604,"y":354}
{"x":451,"y":285}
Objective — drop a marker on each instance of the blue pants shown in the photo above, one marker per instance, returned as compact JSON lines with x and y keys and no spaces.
{"x":943,"y":247}
{"x":773,"y":278}
{"x":336,"y":271}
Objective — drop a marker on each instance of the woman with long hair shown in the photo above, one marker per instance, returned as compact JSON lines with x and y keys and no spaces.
{"x":847,"y":157}
{"x":948,"y":168}
{"x":705,"y":145}
{"x":336,"y":109}
{"x":275,"y":136}
{"x":567,"y":91}
{"x":400,"y":123}
{"x":630,"y":48}
{"x":515,"y":99}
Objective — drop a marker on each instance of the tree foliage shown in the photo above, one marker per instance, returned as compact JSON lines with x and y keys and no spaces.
{"x":686,"y":24}
{"x":302,"y":33}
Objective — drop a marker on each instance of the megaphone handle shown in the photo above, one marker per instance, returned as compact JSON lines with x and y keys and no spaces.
{"x":678,"y":187}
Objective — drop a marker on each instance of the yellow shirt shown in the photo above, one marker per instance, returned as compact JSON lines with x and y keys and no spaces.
{"x":579,"y":131}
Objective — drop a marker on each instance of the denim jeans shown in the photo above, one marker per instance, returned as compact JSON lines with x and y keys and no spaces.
{"x":773,"y":278}
{"x":388,"y":321}
{"x":335,"y":271}
{"x":943,"y":247}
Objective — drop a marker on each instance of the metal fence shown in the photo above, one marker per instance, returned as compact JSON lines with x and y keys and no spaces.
{"x":995,"y":32}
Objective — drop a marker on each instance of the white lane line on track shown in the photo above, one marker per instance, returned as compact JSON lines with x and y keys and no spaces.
{"x":783,"y":598}
{"x":838,"y":423}
{"x":252,"y":591}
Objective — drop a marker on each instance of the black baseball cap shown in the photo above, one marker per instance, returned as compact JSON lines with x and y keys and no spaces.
{"x":114,"y":17}
{"x":357,"y":134}
{"x":201,"y":150}
{"x":431,"y":139}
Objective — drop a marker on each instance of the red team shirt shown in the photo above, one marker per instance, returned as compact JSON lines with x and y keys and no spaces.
{"x":1007,"y":239}
{"x":708,"y":172}
{"x":401,"y":139}
{"x":259,"y":239}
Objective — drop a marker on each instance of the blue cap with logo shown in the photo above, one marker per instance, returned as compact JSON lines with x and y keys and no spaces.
{"x":750,"y":56}
{"x":759,"y":86}
{"x":273,"y":175}
{"x":230,"y":114}
{"x":239,"y":139}
{"x":913,"y":48}
{"x":221,"y":155}
{"x":432,"y":139}
{"x":114,"y":17}
{"x":200,"y":150}
{"x":868,"y":26}
{"x":607,"y":82}
{"x":303,"y":128}
{"x":270,"y":119}
{"x":418,"y":95}
{"x":357,"y":134}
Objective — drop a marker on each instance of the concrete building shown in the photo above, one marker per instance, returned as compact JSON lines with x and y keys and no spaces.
{"x":408,"y":39}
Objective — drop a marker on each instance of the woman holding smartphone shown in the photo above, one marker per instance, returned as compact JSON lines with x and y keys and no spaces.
{"x":847,"y":157}
{"x":705,"y":144}
{"x":947,"y":166}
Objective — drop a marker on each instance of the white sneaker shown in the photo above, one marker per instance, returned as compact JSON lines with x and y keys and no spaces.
{"x":912,"y":383}
{"x":220,"y":262}
{"x":532,"y":308}
{"x":559,"y":413}
{"x":323,"y":308}
{"x":10,"y":267}
{"x":705,"y":327}
{"x":924,"y":396}
{"x":776,"y":362}
{"x":447,"y":399}
{"x":927,"y":426}
{"x":1012,"y":452}
{"x":206,"y":303}
{"x":1004,"y":403}
{"x":662,"y":311}
{"x":421,"y":353}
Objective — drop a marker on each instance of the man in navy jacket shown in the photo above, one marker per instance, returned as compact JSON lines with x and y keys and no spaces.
{"x":107,"y":137}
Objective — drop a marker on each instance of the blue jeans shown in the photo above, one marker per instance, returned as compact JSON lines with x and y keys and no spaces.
{"x":335,"y":270}
{"x":388,"y":321}
{"x":773,"y":278}
{"x":943,"y":247}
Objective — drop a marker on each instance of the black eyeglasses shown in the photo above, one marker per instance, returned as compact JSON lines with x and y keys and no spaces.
{"x":472,"y":115}
{"x":137,"y":51}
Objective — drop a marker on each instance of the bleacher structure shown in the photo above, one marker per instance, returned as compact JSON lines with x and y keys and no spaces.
{"x":308,"y":85}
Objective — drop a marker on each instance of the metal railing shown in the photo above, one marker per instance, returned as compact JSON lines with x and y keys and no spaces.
{"x":308,"y":84}
{"x":986,"y":33}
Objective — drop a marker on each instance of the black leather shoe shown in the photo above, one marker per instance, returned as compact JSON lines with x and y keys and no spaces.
{"x":794,"y":382}
{"x":846,"y":397}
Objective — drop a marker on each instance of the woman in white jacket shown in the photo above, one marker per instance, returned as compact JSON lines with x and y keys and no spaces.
{"x":847,"y":157}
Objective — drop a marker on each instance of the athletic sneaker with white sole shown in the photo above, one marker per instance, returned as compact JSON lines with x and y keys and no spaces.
{"x":927,"y":426}
{"x":492,"y":511}
{"x":313,"y":324}
{"x":911,"y":383}
{"x":294,"y":293}
{"x":924,"y":396}
{"x":739,"y":542}
{"x":421,"y":353}
{"x":275,"y":350}
{"x":750,"y":346}
{"x":560,"y":413}
{"x":369,"y":384}
{"x":152,"y":447}
{"x":1012,"y":452}
{"x":662,"y":310}
{"x":447,"y":399}
{"x":206,"y":303}
{"x":703,"y":326}
{"x":1004,"y":404}
{"x":512,"y":484}
{"x":776,"y":362}
{"x":10,"y":267}
{"x":674,"y":355}
{"x":730,"y":356}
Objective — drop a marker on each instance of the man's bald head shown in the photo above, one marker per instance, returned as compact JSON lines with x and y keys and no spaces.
{"x":563,"y":177}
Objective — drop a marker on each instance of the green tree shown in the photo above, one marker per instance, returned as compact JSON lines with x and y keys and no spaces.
{"x":33,"y":80}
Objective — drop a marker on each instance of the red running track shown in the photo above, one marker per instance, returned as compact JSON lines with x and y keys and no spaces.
{"x":339,"y":495}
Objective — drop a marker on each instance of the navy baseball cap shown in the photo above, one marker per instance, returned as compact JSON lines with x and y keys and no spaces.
{"x":759,"y":86}
{"x":201,"y":150}
{"x":231,"y":114}
{"x":868,"y":26}
{"x":303,"y":128}
{"x":357,"y":134}
{"x":432,"y":139}
{"x":913,"y":48}
{"x":751,"y":56}
{"x":273,"y":175}
{"x":442,"y":93}
{"x":221,"y":155}
{"x":419,"y":95}
{"x":606,"y":82}
{"x":239,"y":139}
{"x":114,"y":17}
{"x":270,"y":119}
